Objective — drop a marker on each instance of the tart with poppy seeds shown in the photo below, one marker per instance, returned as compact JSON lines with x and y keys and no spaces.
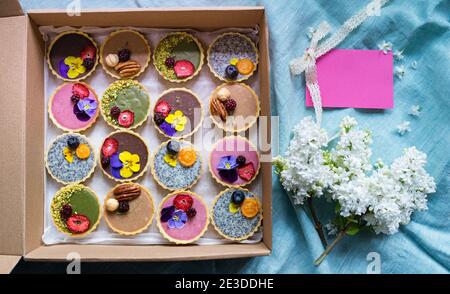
{"x":75,"y":210}
{"x":178,"y":57}
{"x":72,"y":56}
{"x":128,"y":209}
{"x":70,"y":158}
{"x":178,"y":113}
{"x":123,"y":156}
{"x":176,"y":165}
{"x":182,"y":217}
{"x":125,"y":54}
{"x":236,"y":214}
{"x":73,"y":107}
{"x":232,"y":57}
{"x":125,"y":104}
{"x":234,"y":161}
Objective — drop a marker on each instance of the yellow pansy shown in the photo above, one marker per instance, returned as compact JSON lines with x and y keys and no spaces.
{"x":177,"y":120}
{"x":170,"y":160}
{"x":76,"y":66}
{"x":68,"y":154}
{"x":130,"y":164}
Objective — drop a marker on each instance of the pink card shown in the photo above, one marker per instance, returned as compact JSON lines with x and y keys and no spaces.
{"x":355,"y":78}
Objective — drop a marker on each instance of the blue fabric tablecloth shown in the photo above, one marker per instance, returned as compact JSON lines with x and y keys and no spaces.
{"x":421,"y":29}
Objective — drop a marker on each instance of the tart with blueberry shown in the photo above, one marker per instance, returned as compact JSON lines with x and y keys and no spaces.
{"x":70,"y":158}
{"x":125,"y":54}
{"x":236,"y":214}
{"x":72,"y":56}
{"x":232,"y":57}
{"x":176,"y":165}
{"x":178,"y":113}
{"x":73,"y":107}
{"x":234,"y":161}
{"x":178,"y":57}
{"x":123,"y":156}
{"x":75,"y":210}
{"x":128,"y":209}
{"x":182,"y":217}
{"x":125,"y":104}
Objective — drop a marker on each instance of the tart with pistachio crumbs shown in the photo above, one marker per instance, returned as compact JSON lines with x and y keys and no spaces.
{"x":125,"y":54}
{"x":75,"y":210}
{"x":236,"y":214}
{"x":125,"y":104}
{"x":232,"y":57}
{"x":178,"y":57}
{"x":182,"y":217}
{"x":70,"y":158}
{"x":176,"y":165}
{"x":128,"y":209}
{"x":72,"y":56}
{"x":123,"y":156}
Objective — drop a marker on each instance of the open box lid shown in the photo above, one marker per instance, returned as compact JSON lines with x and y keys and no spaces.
{"x":10,"y":8}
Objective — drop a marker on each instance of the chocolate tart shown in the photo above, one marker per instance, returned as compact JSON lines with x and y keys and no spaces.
{"x":129,"y":49}
{"x":246,"y":107}
{"x":177,"y":220}
{"x":73,"y":107}
{"x":236,"y":221}
{"x":68,"y":165}
{"x":75,"y":210}
{"x":139,"y":215}
{"x":226,"y":168}
{"x":125,"y":104}
{"x":178,"y":57}
{"x":124,"y":156}
{"x":170,"y":172}
{"x":67,"y":54}
{"x":235,"y":50}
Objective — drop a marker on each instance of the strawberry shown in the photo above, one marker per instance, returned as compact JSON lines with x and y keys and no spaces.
{"x":80,"y":90}
{"x":247,"y":171}
{"x":110,"y":146}
{"x":78,"y":224}
{"x":163,"y":107}
{"x":183,"y":202}
{"x":126,"y":118}
{"x":88,"y":52}
{"x":183,"y":69}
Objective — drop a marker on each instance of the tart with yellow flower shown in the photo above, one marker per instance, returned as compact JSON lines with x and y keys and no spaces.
{"x":234,"y":161}
{"x":178,"y":113}
{"x":182,"y":217}
{"x":70,"y":158}
{"x":232,"y":57}
{"x":236,"y":214}
{"x":178,"y":57}
{"x":128,"y":209}
{"x":73,"y":107}
{"x":123,"y":156}
{"x":72,"y":56}
{"x":75,"y":210}
{"x":176,"y":165}
{"x":125,"y":104}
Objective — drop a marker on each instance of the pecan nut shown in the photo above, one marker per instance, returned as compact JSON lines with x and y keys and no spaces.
{"x":128,"y":68}
{"x":218,"y":109}
{"x":127,"y":192}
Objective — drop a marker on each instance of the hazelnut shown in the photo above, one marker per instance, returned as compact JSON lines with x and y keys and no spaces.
{"x":112,"y":60}
{"x":112,"y":204}
{"x":223,"y":94}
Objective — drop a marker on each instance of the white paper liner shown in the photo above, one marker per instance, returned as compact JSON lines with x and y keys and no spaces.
{"x":202,"y":85}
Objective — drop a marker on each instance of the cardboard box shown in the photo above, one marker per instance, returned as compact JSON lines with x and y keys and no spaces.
{"x":22,"y":125}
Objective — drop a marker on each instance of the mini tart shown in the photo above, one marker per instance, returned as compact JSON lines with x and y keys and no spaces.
{"x":139,"y":50}
{"x":83,"y":203}
{"x":74,"y":44}
{"x":246,"y":111}
{"x":176,"y":177}
{"x":118,"y":151}
{"x":194,"y":227}
{"x":230,"y":222}
{"x":223,"y":163}
{"x":66,"y":165}
{"x":228,"y":49}
{"x":182,"y":107}
{"x":130,"y":99}
{"x":72,"y":116}
{"x":139,"y":216}
{"x":185,"y":50}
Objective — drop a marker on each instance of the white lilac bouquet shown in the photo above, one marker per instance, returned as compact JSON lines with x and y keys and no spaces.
{"x":376,"y":197}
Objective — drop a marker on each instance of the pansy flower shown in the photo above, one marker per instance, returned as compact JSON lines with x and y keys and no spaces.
{"x":170,"y":159}
{"x":178,"y":219}
{"x":124,"y":164}
{"x":74,"y":67}
{"x":227,"y":168}
{"x":177,"y":119}
{"x":85,"y":109}
{"x":168,"y":129}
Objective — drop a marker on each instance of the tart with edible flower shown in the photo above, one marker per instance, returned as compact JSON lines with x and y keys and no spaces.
{"x":72,"y":56}
{"x":182,"y":217}
{"x":176,"y":165}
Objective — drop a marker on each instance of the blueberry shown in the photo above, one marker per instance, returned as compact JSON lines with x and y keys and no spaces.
{"x":240,"y":160}
{"x":73,"y":143}
{"x":237,"y":197}
{"x":231,"y":72}
{"x":173,"y":147}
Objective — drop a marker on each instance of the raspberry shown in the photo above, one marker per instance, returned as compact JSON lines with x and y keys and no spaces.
{"x":230,"y":105}
{"x":183,"y":202}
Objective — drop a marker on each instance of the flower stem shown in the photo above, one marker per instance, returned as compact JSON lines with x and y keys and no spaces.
{"x":330,"y":247}
{"x":317,"y":223}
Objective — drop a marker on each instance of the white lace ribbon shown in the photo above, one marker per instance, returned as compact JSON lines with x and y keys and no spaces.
{"x":307,"y":63}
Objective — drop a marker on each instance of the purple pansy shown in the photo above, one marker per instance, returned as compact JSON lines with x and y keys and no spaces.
{"x":115,"y":165}
{"x":63,"y":68}
{"x":168,"y":129}
{"x":178,"y":219}
{"x":227,"y":163}
{"x":166,"y":213}
{"x":228,"y":175}
{"x":85,"y":109}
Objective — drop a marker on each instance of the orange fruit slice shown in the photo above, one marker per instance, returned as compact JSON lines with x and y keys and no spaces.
{"x":245,"y":66}
{"x":83,"y":151}
{"x":187,"y":156}
{"x":250,"y":207}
